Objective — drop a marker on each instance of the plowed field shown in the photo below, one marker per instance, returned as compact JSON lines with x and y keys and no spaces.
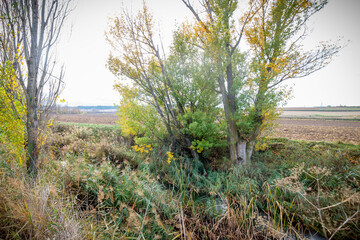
{"x":297,"y":129}
{"x":95,"y":118}
{"x":319,"y":130}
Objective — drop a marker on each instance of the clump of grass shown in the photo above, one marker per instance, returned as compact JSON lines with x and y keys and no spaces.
{"x":36,"y":210}
{"x":122,"y":202}
{"x":93,"y":142}
{"x":329,"y":210}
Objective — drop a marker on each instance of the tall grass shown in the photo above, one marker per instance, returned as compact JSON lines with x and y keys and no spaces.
{"x":36,"y":210}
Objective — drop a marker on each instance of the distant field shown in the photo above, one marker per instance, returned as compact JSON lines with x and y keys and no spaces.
{"x":325,"y":109}
{"x":290,"y":126}
{"x":329,"y":113}
{"x":316,"y":114}
{"x":96,"y":118}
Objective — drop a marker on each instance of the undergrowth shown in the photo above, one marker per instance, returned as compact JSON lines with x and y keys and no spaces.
{"x":93,"y":185}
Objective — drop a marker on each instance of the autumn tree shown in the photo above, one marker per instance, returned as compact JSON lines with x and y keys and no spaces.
{"x":30,"y":30}
{"x":274,"y":36}
{"x":12,"y":113}
{"x":167,"y":93}
{"x":274,"y":30}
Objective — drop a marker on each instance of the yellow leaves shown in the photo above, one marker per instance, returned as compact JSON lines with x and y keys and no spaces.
{"x":260,"y":145}
{"x":170,"y":157}
{"x":132,"y":35}
{"x":195,"y":32}
{"x":197,"y":148}
{"x":50,"y":122}
{"x":143,"y":148}
{"x":12,"y":111}
{"x":200,"y":149}
{"x":130,"y":111}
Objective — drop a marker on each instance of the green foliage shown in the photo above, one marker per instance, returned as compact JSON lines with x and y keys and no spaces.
{"x":286,"y":211}
{"x":206,"y":133}
{"x":171,"y":100}
{"x":137,"y":119}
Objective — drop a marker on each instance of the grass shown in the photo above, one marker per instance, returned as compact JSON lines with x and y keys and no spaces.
{"x":37,"y":210}
{"x":93,"y":185}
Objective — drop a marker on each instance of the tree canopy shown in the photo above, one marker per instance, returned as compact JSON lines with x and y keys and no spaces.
{"x":210,"y":91}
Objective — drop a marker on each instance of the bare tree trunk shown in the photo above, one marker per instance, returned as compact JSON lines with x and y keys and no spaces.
{"x":31,"y":103}
{"x":32,"y":143}
{"x":233,"y":135}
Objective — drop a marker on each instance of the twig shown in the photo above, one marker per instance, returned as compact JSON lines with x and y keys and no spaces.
{"x":182,"y":220}
{"x":343,"y":224}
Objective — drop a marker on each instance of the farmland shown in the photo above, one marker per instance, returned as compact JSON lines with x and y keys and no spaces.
{"x":328,"y":113}
{"x":297,"y":124}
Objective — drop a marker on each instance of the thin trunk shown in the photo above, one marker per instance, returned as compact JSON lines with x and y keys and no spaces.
{"x":233,"y":135}
{"x":32,"y":124}
{"x":32,"y":146}
{"x":192,"y":151}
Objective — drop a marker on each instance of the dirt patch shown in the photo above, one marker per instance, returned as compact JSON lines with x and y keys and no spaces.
{"x":319,"y":130}
{"x":94,"y":118}
{"x":297,"y":129}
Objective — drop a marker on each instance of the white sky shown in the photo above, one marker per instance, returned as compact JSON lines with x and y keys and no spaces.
{"x":84,"y":52}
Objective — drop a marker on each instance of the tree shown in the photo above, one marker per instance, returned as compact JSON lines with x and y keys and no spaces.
{"x":274,"y":30}
{"x":30,"y":30}
{"x":274,"y":36}
{"x":167,"y":93}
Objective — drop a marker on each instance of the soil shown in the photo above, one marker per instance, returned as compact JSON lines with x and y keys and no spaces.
{"x":94,"y":118}
{"x":319,"y":130}
{"x":297,"y":129}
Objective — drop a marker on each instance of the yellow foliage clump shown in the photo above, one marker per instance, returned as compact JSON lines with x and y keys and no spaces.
{"x":12,"y":113}
{"x":137,"y":118}
{"x":170,"y":157}
{"x":143,"y":148}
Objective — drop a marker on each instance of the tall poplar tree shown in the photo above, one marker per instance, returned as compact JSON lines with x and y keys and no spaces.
{"x":274,"y":30}
{"x":30,"y":30}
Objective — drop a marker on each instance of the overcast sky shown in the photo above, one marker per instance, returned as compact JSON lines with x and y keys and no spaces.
{"x":84,"y":51}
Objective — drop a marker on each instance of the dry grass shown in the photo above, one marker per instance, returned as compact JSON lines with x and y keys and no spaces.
{"x":37,"y":210}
